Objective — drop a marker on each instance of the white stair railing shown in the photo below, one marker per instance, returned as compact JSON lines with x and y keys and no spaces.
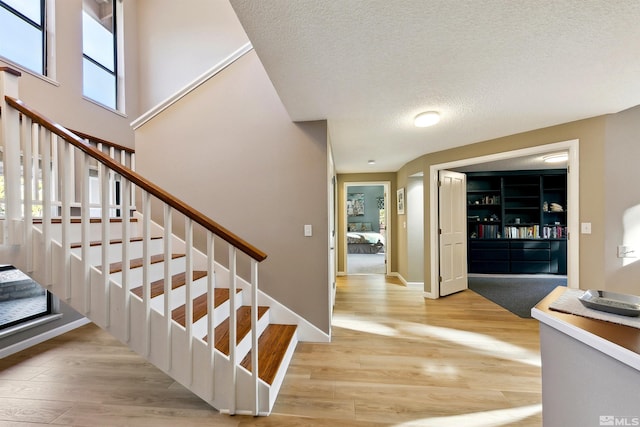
{"x":50,"y":174}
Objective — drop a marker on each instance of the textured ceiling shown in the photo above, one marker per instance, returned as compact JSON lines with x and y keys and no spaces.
{"x":492,"y":68}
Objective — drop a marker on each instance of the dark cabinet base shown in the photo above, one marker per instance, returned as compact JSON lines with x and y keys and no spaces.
{"x":518,"y":256}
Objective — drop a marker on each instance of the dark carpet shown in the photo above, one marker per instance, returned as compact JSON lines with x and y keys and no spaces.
{"x":518,"y":295}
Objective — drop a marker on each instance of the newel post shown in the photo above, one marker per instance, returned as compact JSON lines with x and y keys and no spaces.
{"x":10,"y":140}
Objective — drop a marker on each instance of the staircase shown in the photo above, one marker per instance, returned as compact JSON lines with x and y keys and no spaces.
{"x":81,"y":222}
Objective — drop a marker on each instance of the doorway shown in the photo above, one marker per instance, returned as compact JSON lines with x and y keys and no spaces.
{"x":367,"y":227}
{"x":433,"y":291}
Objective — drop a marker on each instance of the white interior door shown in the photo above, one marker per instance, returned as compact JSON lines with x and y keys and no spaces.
{"x":453,"y":232}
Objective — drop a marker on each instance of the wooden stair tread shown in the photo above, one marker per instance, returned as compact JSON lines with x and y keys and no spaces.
{"x":177,"y":280}
{"x":220,"y":295}
{"x":76,"y":220}
{"x":272,"y":346}
{"x":243,"y":327}
{"x":112,"y":242}
{"x":137,"y":262}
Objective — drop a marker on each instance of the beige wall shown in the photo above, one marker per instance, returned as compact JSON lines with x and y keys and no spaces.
{"x":178,"y":41}
{"x":591,"y":134}
{"x":622,"y":200}
{"x":230,"y":150}
{"x":60,"y":99}
{"x":366,"y":177}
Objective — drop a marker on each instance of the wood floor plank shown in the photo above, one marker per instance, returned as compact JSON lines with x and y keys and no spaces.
{"x":395,"y":357}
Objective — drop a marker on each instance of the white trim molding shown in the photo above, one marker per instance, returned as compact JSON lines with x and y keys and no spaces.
{"x":30,"y":342}
{"x":226,"y":62}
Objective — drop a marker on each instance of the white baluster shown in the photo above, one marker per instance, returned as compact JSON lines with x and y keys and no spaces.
{"x":66,"y":188}
{"x":27,"y":171}
{"x":146,"y":263}
{"x":232,"y":328}
{"x":254,"y":333}
{"x":55,"y":177}
{"x":46,"y":139}
{"x":167,"y":239}
{"x":105,"y":199}
{"x":133,"y":187}
{"x":37,"y":193}
{"x":188,"y":231}
{"x":211,"y":284}
{"x":125,"y":193}
{"x":85,"y":220}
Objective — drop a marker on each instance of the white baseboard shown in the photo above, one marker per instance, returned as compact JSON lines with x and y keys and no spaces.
{"x":30,"y":342}
{"x":415,"y":285}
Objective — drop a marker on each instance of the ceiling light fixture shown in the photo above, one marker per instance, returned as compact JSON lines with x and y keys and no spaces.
{"x":428,"y":118}
{"x":372,"y":162}
{"x":556,"y":158}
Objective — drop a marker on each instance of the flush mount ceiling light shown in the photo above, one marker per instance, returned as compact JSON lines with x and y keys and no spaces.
{"x":372,"y":162}
{"x":428,"y":118}
{"x":555,"y":158}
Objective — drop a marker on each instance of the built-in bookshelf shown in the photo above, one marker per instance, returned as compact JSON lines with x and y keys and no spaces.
{"x":517,"y":206}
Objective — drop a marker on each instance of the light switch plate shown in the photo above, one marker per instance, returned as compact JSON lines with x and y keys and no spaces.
{"x":585,"y":228}
{"x":308,"y":230}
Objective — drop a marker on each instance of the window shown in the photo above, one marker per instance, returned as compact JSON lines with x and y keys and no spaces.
{"x":22,"y":33}
{"x":21,"y":299}
{"x":99,"y":65}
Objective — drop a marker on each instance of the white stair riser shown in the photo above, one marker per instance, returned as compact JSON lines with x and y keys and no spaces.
{"x":95,"y":231}
{"x":115,"y":251}
{"x":178,"y":299}
{"x":156,"y":272}
{"x":245,"y":344}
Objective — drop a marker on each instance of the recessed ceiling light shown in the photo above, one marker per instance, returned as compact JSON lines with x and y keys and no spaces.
{"x":372,"y":162}
{"x":428,"y":118}
{"x":555,"y":158}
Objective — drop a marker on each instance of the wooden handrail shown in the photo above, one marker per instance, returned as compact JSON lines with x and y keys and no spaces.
{"x":11,"y":71}
{"x":102,"y":141}
{"x":139,"y":181}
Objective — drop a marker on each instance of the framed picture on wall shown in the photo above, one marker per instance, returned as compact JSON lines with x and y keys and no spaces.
{"x":401,"y":201}
{"x":355,"y":204}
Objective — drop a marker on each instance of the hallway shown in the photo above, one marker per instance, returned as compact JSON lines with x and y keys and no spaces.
{"x":396,"y":360}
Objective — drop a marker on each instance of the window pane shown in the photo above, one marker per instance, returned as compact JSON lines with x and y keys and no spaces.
{"x":20,"y":41}
{"x":21,"y":298}
{"x":97,"y":42}
{"x":29,"y":8}
{"x":98,"y":84}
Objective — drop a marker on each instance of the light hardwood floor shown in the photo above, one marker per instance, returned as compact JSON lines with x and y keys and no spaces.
{"x":396,"y":359}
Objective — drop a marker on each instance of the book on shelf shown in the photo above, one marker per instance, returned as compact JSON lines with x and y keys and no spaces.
{"x":535,"y":232}
{"x":554,"y":232}
{"x":486,"y":231}
{"x":522,"y":232}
